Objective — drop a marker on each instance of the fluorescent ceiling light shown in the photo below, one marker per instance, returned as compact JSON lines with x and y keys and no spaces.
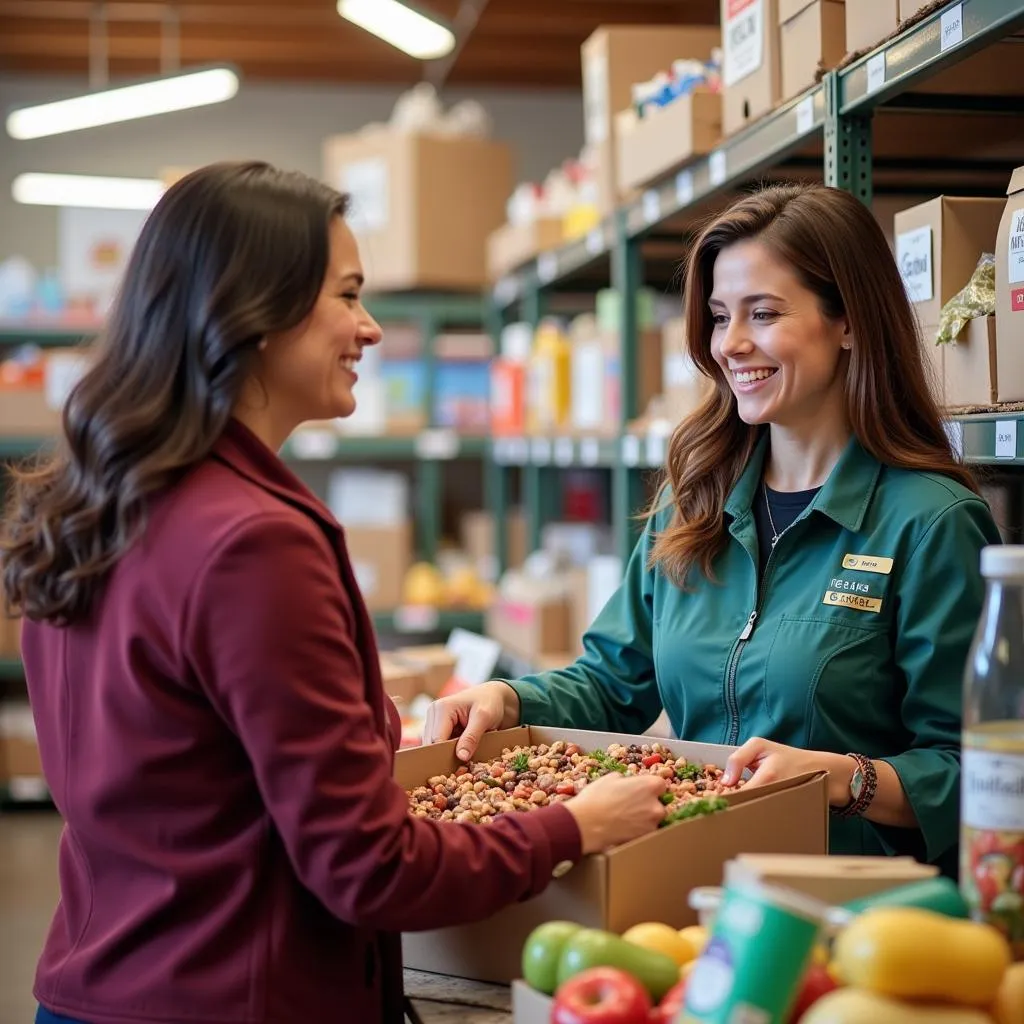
{"x":125,"y":103}
{"x":401,"y":26}
{"x":85,"y":190}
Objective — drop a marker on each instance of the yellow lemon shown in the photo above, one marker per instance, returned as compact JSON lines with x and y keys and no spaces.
{"x":660,"y":938}
{"x":697,"y":936}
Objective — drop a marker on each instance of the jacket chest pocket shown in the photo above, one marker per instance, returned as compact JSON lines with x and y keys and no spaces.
{"x":828,"y":680}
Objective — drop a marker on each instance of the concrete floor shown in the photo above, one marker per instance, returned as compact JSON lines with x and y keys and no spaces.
{"x":29,"y":891}
{"x":28,"y":894}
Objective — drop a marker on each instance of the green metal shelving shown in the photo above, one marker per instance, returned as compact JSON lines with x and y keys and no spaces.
{"x":839,"y":111}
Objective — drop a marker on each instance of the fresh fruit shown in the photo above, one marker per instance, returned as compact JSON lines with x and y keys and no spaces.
{"x":697,"y":936}
{"x":1009,"y":1004}
{"x":423,"y":585}
{"x":668,"y":1010}
{"x":662,"y":939}
{"x":601,"y":995}
{"x":816,"y":984}
{"x":590,"y":947}
{"x":855,"y":1006}
{"x":542,"y":951}
{"x":912,"y":953}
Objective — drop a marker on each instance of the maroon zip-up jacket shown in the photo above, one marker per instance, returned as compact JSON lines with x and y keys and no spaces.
{"x":219,"y":744}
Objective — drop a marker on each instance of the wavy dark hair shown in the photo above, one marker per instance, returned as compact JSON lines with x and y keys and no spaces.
{"x":231,"y":252}
{"x":838,"y":251}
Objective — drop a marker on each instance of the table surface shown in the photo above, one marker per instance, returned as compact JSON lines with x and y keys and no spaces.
{"x":439,"y":999}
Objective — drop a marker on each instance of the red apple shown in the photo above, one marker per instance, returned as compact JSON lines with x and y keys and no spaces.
{"x":668,"y":1010}
{"x":601,"y":995}
{"x":817,"y":983}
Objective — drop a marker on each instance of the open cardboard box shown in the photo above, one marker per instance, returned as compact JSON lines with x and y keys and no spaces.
{"x":646,"y":880}
{"x":530,"y":1006}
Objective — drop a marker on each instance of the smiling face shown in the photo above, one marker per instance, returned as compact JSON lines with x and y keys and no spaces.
{"x":783,"y":358}
{"x":308,"y":372}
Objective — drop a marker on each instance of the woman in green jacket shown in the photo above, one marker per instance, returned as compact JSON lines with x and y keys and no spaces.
{"x":808,"y":581}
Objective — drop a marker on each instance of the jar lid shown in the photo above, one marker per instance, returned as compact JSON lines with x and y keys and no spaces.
{"x":1003,"y":561}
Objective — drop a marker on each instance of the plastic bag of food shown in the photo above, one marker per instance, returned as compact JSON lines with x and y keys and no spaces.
{"x":976,"y":298}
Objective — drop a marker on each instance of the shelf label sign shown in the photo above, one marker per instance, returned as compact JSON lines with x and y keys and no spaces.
{"x":314,"y":443}
{"x":412,"y":618}
{"x":914,"y":258}
{"x":717,"y":168}
{"x":541,"y":451}
{"x":684,"y":188}
{"x":1006,"y":439}
{"x":652,"y":206}
{"x":805,"y":115}
{"x":437,"y":444}
{"x":547,"y":267}
{"x":595,"y":241}
{"x":951,"y":32}
{"x":563,"y":451}
{"x":876,"y":72}
{"x":743,"y":39}
{"x":631,"y":450}
{"x":590,"y":451}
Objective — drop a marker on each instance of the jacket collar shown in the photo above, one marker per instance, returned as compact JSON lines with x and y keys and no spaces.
{"x":844,"y":497}
{"x":239,"y":448}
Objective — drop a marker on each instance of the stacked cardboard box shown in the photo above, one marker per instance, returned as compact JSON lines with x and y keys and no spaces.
{"x":812,"y":37}
{"x":751,"y":70}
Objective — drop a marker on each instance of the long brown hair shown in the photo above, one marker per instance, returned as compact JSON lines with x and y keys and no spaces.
{"x":230,"y":253}
{"x":838,"y":251}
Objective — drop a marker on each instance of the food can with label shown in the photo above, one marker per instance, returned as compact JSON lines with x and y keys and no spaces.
{"x":754,"y":963}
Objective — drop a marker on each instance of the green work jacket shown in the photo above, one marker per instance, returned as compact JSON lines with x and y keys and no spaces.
{"x":854,"y":640}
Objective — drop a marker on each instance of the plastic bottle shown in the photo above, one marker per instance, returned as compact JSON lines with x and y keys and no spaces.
{"x":992,"y":793}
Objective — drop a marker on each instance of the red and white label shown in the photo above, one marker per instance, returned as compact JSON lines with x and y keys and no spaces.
{"x":742,"y":39}
{"x":1017,"y":300}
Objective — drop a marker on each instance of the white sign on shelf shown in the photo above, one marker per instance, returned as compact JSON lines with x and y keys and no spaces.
{"x":955,"y":433}
{"x":805,"y":115}
{"x":416,"y":618}
{"x":506,"y":290}
{"x":1015,"y":253}
{"x":684,"y":188}
{"x":631,"y":450}
{"x":563,"y":451}
{"x":876,"y":72}
{"x":657,"y":440}
{"x":651,"y":206}
{"x":914,"y":259}
{"x":313,"y":443}
{"x":1006,"y":439}
{"x":437,"y":444}
{"x":742,"y":39}
{"x":547,"y":267}
{"x":717,"y":168}
{"x":595,"y":241}
{"x":951,"y":30}
{"x":476,"y":657}
{"x":590,"y":451}
{"x":367,"y":183}
{"x":541,"y":451}
{"x":518,"y":451}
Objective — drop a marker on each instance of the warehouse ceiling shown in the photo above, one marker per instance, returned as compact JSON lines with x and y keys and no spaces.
{"x":509,"y":43}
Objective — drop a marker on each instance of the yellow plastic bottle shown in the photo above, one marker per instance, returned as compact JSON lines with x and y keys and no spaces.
{"x":550,"y":375}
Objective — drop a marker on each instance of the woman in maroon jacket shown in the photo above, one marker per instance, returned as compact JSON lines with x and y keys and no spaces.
{"x":202,"y":670}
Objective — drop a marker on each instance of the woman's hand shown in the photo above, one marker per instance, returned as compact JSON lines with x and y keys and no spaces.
{"x":470,"y":714}
{"x":616,"y":808}
{"x":771,"y":762}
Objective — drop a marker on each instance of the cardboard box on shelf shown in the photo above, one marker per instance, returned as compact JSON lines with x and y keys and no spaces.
{"x":981,"y":368}
{"x":19,"y":752}
{"x":812,"y":36}
{"x":646,"y":880}
{"x":938,"y":245}
{"x":834,"y":880}
{"x":381,"y":556}
{"x":868,"y":22}
{"x":685,"y":387}
{"x":404,"y":188}
{"x":476,"y":531}
{"x":512,"y":245}
{"x":31,"y":409}
{"x":614,"y":59}
{"x":908,"y":8}
{"x":751,"y":70}
{"x":435,"y":661}
{"x":665,"y":138}
{"x":10,"y":637}
{"x":403,"y":679}
{"x":1009,"y":252}
{"x":530,"y":628}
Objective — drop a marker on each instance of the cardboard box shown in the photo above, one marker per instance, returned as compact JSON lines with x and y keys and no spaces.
{"x":908,"y":8}
{"x":512,"y":245}
{"x":614,"y":59}
{"x":752,"y":70}
{"x":812,"y":37}
{"x":1010,"y":270}
{"x":19,"y":752}
{"x":652,"y":146}
{"x":404,"y":190}
{"x":530,"y":628}
{"x":868,"y":22}
{"x":10,"y":637}
{"x":477,"y":535}
{"x":834,"y":880}
{"x":646,"y":880}
{"x":976,"y":372}
{"x":685,"y":387}
{"x":381,"y":556}
{"x":434,"y":661}
{"x":938,"y":245}
{"x":403,"y":680}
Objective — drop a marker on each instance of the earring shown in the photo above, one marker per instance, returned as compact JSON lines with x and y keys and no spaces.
{"x":262,"y":346}
{"x":847,"y":345}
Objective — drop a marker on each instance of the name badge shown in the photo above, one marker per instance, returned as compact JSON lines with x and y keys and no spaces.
{"x":868,"y":563}
{"x":857,"y":602}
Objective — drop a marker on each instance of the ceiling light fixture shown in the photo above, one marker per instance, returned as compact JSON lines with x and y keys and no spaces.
{"x":125,"y":103}
{"x":87,"y":190}
{"x":401,"y":25}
